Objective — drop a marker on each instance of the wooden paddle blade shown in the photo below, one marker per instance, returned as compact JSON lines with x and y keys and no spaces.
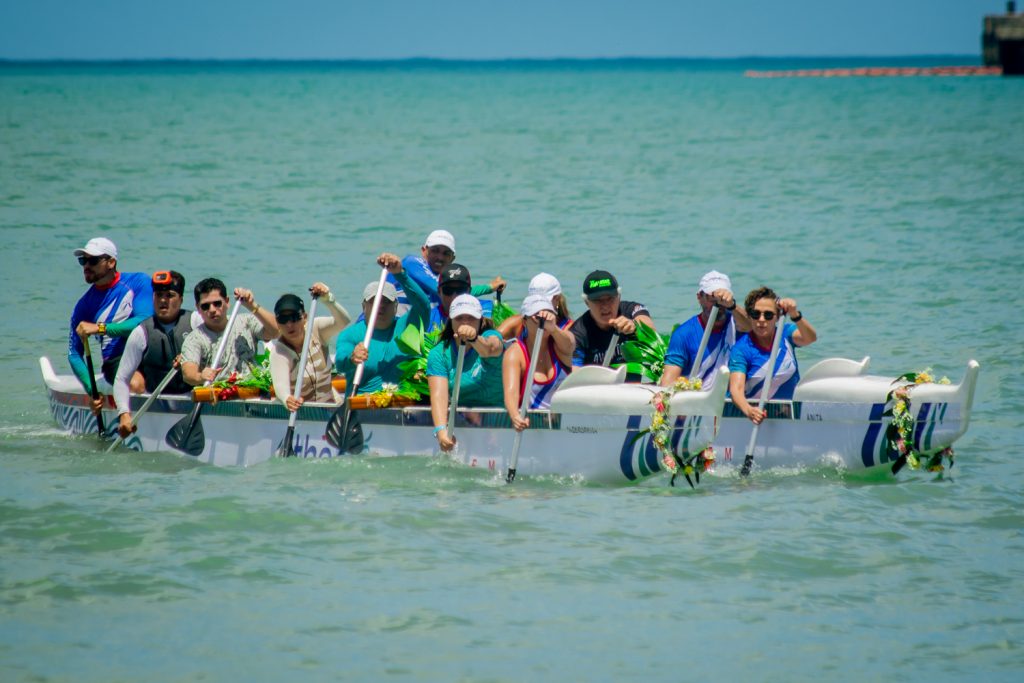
{"x":187,"y":434}
{"x":286,"y":449}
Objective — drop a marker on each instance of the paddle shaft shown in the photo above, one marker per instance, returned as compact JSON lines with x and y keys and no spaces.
{"x":145,"y":406}
{"x":286,"y":445}
{"x":455,"y":390}
{"x":92,"y":384}
{"x":303,"y":358}
{"x":611,"y":350}
{"x":695,"y":370}
{"x":180,"y":440}
{"x":525,"y":403}
{"x":371,"y":322}
{"x":342,"y":413}
{"x":748,"y":459}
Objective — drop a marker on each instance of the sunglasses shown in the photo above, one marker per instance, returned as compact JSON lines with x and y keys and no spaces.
{"x":450,"y":290}
{"x":216,"y":304}
{"x":289,"y":317}
{"x":757,"y":315}
{"x":91,"y":260}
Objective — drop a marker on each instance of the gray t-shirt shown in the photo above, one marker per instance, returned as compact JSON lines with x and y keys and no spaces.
{"x":239,"y":352}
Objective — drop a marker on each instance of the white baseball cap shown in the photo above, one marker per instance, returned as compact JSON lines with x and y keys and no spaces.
{"x":440,"y":238}
{"x":466,"y":304}
{"x":98,"y":246}
{"x":389,"y":291}
{"x":535,"y":303}
{"x":713,"y":281}
{"x":544,"y":284}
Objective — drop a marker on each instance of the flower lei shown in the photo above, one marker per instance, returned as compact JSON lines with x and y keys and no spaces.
{"x":388,"y":392}
{"x":661,"y":435}
{"x":900,"y":432}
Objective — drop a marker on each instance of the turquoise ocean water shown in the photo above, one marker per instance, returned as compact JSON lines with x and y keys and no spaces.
{"x":891,"y":209}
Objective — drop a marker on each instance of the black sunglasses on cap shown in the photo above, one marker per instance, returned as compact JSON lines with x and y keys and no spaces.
{"x":91,"y":260}
{"x":451,"y":290}
{"x":285,"y":317}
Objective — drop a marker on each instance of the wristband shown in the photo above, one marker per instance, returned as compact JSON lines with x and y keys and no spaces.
{"x":101,"y":328}
{"x":797,"y":318}
{"x":731,"y":308}
{"x":438,"y":429}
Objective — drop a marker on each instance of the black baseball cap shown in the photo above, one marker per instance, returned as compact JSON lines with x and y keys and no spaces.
{"x":600,"y":283}
{"x":454,"y":273}
{"x":289,"y":302}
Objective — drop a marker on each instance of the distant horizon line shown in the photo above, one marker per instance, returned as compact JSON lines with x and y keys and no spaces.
{"x":465,"y":60}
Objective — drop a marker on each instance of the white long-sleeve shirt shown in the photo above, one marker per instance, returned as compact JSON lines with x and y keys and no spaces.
{"x":134,"y":350}
{"x":316,"y":385}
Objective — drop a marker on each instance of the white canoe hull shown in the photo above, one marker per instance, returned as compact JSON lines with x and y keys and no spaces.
{"x":592,"y":431}
{"x":599,"y":447}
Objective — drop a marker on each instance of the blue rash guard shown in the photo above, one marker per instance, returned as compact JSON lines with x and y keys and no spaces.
{"x":420,"y":272}
{"x":383,"y":356}
{"x":122,"y":306}
{"x":481,"y":384}
{"x":682,"y":348}
{"x":749,"y":358}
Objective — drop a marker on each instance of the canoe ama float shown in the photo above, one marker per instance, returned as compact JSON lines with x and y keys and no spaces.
{"x":595,"y":429}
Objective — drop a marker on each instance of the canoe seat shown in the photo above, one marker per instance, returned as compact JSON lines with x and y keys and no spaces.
{"x":835,"y":367}
{"x":593,"y":375}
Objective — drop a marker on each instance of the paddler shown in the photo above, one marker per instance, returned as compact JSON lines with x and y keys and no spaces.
{"x":607,"y":314}
{"x":153,"y":347}
{"x":383,"y":357}
{"x":211,"y":296}
{"x":551,"y":369}
{"x":547,"y":286}
{"x":714,"y":289}
{"x":111,"y":308}
{"x":286,"y":350}
{"x":749,"y":357}
{"x":436,"y":254}
{"x":480,"y":385}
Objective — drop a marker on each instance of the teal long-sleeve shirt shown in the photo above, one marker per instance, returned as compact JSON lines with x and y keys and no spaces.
{"x":384,"y":356}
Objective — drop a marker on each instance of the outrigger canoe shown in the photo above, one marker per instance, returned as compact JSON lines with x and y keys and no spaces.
{"x":596,"y":428}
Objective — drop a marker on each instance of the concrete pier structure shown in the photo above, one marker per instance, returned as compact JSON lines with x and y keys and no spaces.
{"x":1002,"y":41}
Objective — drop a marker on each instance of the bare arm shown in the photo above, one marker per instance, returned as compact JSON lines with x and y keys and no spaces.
{"x":439,"y":409}
{"x":511,"y":327}
{"x":805,"y":334}
{"x":670,"y":374}
{"x":737,"y":389}
{"x":511,"y":373}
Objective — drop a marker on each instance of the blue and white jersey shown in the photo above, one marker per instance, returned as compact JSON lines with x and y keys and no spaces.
{"x":682,"y":348}
{"x":750,"y":359}
{"x":128,"y":298}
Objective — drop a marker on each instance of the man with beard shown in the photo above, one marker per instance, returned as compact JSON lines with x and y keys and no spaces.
{"x":111,"y":308}
{"x":153,"y":347}
{"x":436,"y":254}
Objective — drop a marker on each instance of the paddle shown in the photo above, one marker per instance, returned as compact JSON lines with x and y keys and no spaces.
{"x":748,"y":460}
{"x":695,"y":370}
{"x":525,"y":403}
{"x":337,"y":426}
{"x":145,"y":406}
{"x":455,"y":390}
{"x":187,"y":434}
{"x":611,"y":351}
{"x":285,"y":450}
{"x":92,"y":384}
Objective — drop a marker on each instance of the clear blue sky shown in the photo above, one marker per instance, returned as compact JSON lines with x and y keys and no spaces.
{"x":485,"y":29}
